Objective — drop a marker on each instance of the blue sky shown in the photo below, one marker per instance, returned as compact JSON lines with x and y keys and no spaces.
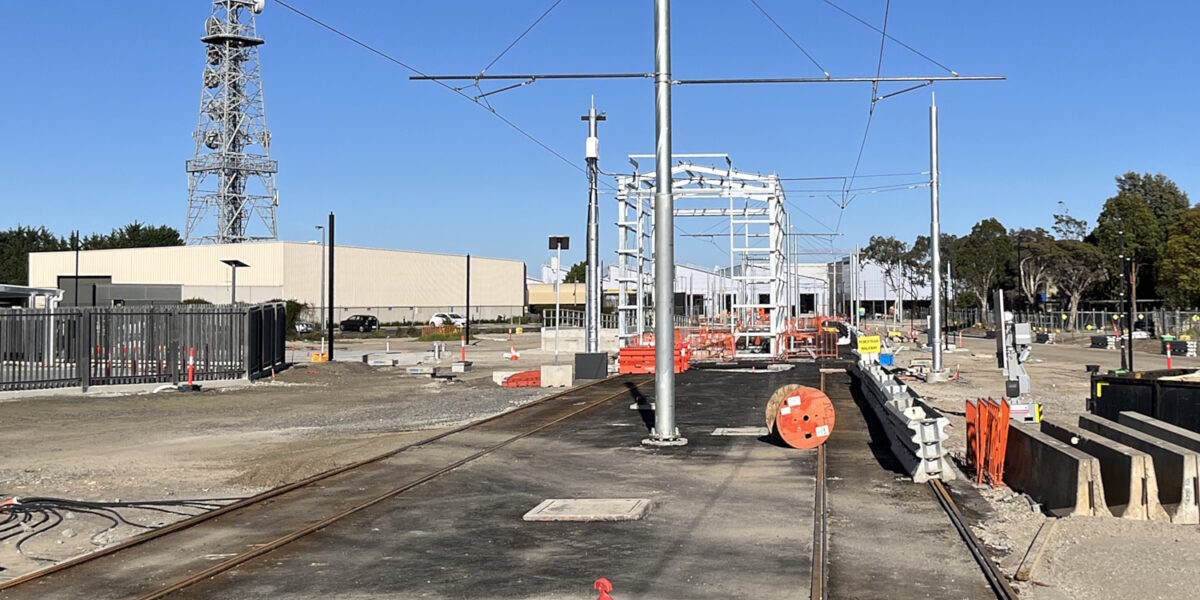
{"x":101,"y":102}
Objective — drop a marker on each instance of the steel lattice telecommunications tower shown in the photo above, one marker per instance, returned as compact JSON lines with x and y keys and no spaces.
{"x":231,"y":179}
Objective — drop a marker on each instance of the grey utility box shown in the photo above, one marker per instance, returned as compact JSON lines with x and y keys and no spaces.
{"x":591,"y":365}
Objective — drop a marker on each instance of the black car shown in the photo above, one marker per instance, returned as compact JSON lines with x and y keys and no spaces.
{"x":362,"y":323}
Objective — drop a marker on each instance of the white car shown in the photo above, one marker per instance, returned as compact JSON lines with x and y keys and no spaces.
{"x":441,"y":319}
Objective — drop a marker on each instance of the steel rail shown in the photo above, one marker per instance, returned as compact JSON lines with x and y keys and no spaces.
{"x":272,"y":493}
{"x":820,"y":556}
{"x":991,"y":572}
{"x":326,"y":522}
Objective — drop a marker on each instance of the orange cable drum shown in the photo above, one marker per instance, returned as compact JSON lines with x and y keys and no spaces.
{"x":804,"y":418}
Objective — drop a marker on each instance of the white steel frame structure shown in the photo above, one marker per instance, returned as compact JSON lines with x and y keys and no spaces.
{"x":760,"y":245}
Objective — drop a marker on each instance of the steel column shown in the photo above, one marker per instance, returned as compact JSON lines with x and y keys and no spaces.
{"x":593,"y":297}
{"x":664,"y":431}
{"x":935,"y":238}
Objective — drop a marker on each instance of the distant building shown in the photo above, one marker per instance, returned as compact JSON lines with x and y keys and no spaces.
{"x":393,"y":285}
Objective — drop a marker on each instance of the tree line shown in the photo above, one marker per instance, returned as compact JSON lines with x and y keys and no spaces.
{"x":16,"y":243}
{"x":1149,"y":221}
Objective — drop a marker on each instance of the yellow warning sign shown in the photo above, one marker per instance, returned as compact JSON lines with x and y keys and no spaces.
{"x":868,"y":344}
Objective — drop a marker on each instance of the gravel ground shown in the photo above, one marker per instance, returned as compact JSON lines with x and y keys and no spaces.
{"x":232,"y":441}
{"x":1087,"y":557}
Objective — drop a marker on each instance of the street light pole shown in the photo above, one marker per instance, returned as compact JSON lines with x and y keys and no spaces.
{"x":321,"y":289}
{"x":559,"y":243}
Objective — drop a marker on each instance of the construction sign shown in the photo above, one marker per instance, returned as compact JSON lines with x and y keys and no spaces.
{"x":869,"y":344}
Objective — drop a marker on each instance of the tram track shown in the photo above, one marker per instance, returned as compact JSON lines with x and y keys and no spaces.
{"x":74,"y":574}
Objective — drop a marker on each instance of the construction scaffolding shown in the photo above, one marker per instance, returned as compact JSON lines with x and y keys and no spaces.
{"x":761,"y":252}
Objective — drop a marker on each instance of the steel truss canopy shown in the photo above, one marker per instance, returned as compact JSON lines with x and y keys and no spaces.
{"x":761,"y":249}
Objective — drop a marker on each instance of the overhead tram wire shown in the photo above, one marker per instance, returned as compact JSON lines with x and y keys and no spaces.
{"x":890,"y":37}
{"x":413,"y":69}
{"x":789,"y":37}
{"x":520,"y":37}
{"x":870,"y":116}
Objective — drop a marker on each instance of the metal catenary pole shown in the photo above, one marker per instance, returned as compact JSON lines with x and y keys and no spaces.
{"x":935,"y":236}
{"x":592,"y":302}
{"x":664,"y":237}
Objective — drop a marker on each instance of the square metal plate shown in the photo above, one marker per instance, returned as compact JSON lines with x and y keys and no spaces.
{"x":749,"y":431}
{"x":589,"y":509}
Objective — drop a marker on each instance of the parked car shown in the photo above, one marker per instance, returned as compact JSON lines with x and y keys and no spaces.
{"x":441,"y":319}
{"x":305,"y":327}
{"x":362,"y":323}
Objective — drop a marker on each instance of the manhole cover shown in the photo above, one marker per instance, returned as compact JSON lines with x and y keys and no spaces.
{"x":589,"y":509}
{"x":754,"y":431}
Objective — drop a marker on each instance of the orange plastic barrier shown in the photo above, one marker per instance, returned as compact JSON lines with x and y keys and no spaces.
{"x":640,"y":359}
{"x":523,"y":379}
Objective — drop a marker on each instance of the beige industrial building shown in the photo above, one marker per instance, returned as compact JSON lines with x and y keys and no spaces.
{"x":390,"y":284}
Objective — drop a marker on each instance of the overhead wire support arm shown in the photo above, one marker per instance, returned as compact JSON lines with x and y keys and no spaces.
{"x":886,"y":79}
{"x":534,"y":77}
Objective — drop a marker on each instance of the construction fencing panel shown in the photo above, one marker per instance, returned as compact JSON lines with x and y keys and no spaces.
{"x":83,"y":347}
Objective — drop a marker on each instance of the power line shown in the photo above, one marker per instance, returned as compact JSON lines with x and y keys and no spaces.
{"x":413,"y":69}
{"x":789,"y":36}
{"x":877,"y":30}
{"x":519,"y":37}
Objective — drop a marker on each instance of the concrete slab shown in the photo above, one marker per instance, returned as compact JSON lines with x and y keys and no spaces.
{"x":460,"y":366}
{"x":420,"y":370}
{"x":1130,"y":486}
{"x":558,"y":375}
{"x":1065,"y":480}
{"x":589,"y":509}
{"x":1177,"y":468}
{"x":1161,"y":429}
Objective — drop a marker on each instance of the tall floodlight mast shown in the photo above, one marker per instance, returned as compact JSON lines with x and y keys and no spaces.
{"x":231,"y":178}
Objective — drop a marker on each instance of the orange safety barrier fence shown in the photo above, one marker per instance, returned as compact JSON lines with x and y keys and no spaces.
{"x":987,"y":439}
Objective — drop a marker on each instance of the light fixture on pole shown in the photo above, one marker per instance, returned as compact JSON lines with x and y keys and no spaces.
{"x":233,"y":265}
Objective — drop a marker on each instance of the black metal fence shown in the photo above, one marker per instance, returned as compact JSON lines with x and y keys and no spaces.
{"x":83,"y":347}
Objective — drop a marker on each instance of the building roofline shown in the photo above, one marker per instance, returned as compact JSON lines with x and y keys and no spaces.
{"x":283,"y":243}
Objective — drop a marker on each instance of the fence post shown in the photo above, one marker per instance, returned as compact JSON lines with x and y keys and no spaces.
{"x":83,"y":360}
{"x":246,"y":343}
{"x":173,"y":344}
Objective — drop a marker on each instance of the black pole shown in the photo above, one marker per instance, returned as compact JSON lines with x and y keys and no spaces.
{"x":330,"y":324}
{"x":1131,"y":308}
{"x":76,"y":240}
{"x":467,"y":332}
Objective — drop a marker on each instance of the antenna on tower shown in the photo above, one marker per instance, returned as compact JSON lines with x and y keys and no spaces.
{"x":231,"y":178}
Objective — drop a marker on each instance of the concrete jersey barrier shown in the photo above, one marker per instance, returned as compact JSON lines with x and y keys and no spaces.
{"x":1130,"y":486}
{"x":1176,"y":467}
{"x":1161,"y":429}
{"x":916,"y":431}
{"x":1065,"y":480}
